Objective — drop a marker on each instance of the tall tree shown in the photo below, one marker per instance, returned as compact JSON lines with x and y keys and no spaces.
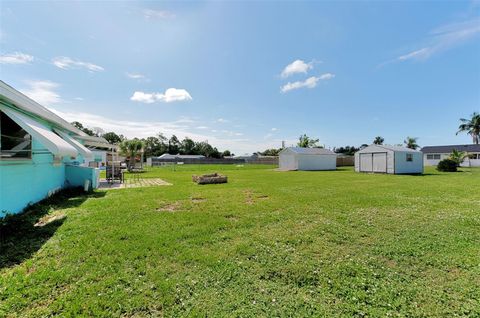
{"x":131,"y":148}
{"x":471,"y":126}
{"x":227,"y":153}
{"x":411,"y":143}
{"x":306,"y":142}
{"x":173,"y":145}
{"x":187,"y":146}
{"x":348,"y":150}
{"x":378,"y":140}
{"x":112,"y":138}
{"x":80,"y":126}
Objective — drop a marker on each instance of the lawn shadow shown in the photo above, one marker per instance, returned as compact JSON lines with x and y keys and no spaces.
{"x":22,"y":235}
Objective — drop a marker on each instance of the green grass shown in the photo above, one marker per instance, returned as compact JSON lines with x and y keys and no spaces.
{"x":267,"y":243}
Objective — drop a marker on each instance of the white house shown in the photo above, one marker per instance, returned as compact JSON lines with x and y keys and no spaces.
{"x":296,"y":158}
{"x":433,"y":154}
{"x":389,"y":159}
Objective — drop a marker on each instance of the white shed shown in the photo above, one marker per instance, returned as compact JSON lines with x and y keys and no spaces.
{"x":296,"y":158}
{"x":389,"y":159}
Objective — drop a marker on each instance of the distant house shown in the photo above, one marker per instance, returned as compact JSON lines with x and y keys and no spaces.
{"x":179,"y":156}
{"x":40,"y":153}
{"x":296,"y":158}
{"x":388,"y":159}
{"x":433,"y":154}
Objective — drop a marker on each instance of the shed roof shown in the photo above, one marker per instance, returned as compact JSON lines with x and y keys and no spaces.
{"x":309,"y":151}
{"x":388,"y":147}
{"x":450,"y":148}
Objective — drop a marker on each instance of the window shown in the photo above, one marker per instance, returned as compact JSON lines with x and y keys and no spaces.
{"x":409,"y":157}
{"x":14,"y":141}
{"x":475,"y":156}
{"x":433,"y":157}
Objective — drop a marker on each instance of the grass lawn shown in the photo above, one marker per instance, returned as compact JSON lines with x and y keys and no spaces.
{"x":267,"y":243}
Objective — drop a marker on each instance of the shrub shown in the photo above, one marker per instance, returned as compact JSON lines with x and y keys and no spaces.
{"x":447,"y":165}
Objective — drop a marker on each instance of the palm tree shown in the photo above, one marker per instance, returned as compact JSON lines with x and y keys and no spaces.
{"x":411,"y":143}
{"x":131,"y":148}
{"x":471,"y":127}
{"x":458,"y":156}
{"x":306,"y":142}
{"x":378,"y":140}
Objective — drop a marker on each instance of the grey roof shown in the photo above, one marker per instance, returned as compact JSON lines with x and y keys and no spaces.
{"x":309,"y":151}
{"x":450,"y":148}
{"x":388,"y":147}
{"x":169,"y":156}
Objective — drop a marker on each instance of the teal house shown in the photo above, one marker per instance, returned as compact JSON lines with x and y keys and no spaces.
{"x":40,"y":153}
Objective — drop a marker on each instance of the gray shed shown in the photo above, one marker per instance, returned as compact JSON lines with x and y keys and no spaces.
{"x":296,"y":158}
{"x":389,"y":159}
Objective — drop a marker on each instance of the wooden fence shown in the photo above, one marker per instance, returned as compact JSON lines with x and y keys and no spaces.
{"x":343,"y":161}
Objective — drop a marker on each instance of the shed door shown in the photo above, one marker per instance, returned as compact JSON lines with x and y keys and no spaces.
{"x":380,"y":162}
{"x":366,"y":164}
{"x":287,"y":162}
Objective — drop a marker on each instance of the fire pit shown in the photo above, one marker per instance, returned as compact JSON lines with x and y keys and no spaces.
{"x":209,"y":178}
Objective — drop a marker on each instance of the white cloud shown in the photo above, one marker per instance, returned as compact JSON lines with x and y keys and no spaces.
{"x":444,"y":38}
{"x":150,"y":14}
{"x":201,"y":127}
{"x":136,"y":76}
{"x":170,"y":95}
{"x":67,"y":63}
{"x":422,"y":53}
{"x":43,"y":92}
{"x":15,"y":58}
{"x":222,"y":120}
{"x":274,"y":129}
{"x":297,"y":66}
{"x":310,"y":82}
{"x":326,"y":76}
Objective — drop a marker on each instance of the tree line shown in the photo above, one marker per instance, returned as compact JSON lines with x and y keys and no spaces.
{"x":158,"y":145}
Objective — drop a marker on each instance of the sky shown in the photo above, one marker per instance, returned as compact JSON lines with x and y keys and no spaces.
{"x":248,"y":75}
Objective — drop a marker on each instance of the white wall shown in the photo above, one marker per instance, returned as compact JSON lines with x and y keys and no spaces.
{"x":287,"y":161}
{"x":317,"y":162}
{"x":466,"y":163}
{"x":432,"y":162}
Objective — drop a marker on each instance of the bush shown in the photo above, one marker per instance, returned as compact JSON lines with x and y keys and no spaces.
{"x":447,"y":165}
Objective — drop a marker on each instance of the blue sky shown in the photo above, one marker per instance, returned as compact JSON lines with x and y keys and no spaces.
{"x":247,"y":75}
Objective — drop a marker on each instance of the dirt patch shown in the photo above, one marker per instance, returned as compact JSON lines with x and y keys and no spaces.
{"x":248,"y":197}
{"x":171,"y":207}
{"x":251,"y":197}
{"x":231,"y":217}
{"x":49,"y":219}
{"x":198,"y":199}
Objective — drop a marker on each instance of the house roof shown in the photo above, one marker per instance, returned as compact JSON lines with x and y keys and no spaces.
{"x":309,"y":151}
{"x":450,"y":148}
{"x":388,"y":147}
{"x":27,"y":105}
{"x":169,"y":156}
